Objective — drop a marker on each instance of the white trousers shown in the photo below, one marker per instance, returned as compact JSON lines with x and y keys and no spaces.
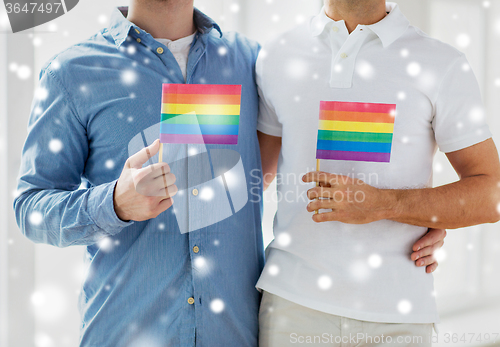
{"x":284,"y":323}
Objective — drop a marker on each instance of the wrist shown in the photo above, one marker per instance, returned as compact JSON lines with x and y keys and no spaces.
{"x":391,"y":203}
{"x":120,"y":213}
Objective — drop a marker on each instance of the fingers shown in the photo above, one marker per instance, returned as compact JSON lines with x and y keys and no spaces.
{"x":431,"y":237}
{"x":151,"y":172}
{"x":140,"y":158}
{"x":167,"y":192}
{"x":160,"y":186}
{"x":163,"y":206}
{"x":429,"y":250}
{"x":319,"y":205}
{"x":429,"y":262}
{"x":319,"y":176}
{"x":431,"y":268}
{"x":326,"y":217}
{"x":324,"y":192}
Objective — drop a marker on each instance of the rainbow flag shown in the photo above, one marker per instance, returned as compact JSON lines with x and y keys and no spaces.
{"x":200,"y":113}
{"x":355,"y":131}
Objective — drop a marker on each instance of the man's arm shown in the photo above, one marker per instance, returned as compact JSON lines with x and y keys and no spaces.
{"x":50,"y":208}
{"x":472,"y":200}
{"x":270,"y":147}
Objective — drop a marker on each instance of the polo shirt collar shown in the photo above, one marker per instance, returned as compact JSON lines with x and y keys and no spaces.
{"x":392,"y":26}
{"x":120,"y":26}
{"x":389,"y":29}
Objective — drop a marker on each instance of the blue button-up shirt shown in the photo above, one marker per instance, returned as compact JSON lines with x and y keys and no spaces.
{"x":149,"y":283}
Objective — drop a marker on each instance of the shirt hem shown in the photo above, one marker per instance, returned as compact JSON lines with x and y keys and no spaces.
{"x":269,"y":130}
{"x":339,"y":311}
{"x":466,"y":142}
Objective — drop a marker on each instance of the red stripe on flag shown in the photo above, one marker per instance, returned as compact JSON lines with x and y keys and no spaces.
{"x":218,"y":89}
{"x":357,"y":107}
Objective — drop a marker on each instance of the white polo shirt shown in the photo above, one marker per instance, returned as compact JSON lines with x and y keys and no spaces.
{"x":362,"y":272}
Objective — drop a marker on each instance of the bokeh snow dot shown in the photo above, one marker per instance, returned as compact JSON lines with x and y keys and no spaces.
{"x":37,"y":41}
{"x":365,"y":69}
{"x":324,"y":282}
{"x":217,"y":306}
{"x":129,"y":77}
{"x":404,"y":307}
{"x":41,"y":93}
{"x":207,"y":194}
{"x":463,"y":40}
{"x":284,"y":239}
{"x":55,"y":65}
{"x":273,"y":270}
{"x":222,"y":51}
{"x":109,"y":164}
{"x":105,"y":244}
{"x":413,"y":69}
{"x":43,"y":340}
{"x":440,"y":255}
{"x":476,"y":114}
{"x":23,"y":72}
{"x":131,"y":49}
{"x":55,"y":145}
{"x":102,"y":19}
{"x":296,"y":68}
{"x":401,"y":95}
{"x":375,"y":261}
{"x":235,"y":8}
{"x":36,"y":218}
{"x":360,"y":271}
{"x":13,"y":67}
{"x":200,"y":262}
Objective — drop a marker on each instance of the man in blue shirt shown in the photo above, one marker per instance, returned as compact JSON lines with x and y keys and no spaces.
{"x":94,"y":118}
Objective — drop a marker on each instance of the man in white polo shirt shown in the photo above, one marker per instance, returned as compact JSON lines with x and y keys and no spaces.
{"x":344,"y":273}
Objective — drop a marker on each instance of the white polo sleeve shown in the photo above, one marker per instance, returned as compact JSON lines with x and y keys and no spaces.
{"x":459,"y":120}
{"x":267,"y":122}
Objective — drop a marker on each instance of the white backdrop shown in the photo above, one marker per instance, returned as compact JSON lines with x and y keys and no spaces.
{"x":39,"y":284}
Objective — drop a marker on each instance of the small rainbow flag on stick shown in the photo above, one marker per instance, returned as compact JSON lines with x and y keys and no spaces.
{"x":200,"y":113}
{"x":355,"y":131}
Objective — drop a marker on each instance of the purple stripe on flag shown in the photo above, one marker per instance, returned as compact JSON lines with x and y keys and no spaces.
{"x":200,"y":139}
{"x":354,"y":156}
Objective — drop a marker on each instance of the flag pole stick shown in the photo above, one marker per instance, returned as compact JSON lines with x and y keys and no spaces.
{"x":160,"y":155}
{"x":317,"y":183}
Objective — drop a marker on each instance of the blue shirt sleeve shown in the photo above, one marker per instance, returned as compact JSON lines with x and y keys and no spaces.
{"x":50,"y":208}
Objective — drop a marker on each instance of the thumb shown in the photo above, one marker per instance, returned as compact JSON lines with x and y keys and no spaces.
{"x":137,"y":160}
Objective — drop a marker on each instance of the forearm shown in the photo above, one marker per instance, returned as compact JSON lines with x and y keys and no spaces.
{"x":470,"y":201}
{"x":270,"y":147}
{"x":63,"y":218}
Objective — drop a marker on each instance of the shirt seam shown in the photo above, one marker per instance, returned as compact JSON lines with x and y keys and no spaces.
{"x":472,"y":137}
{"x":69,"y":99}
{"x":442,"y":83}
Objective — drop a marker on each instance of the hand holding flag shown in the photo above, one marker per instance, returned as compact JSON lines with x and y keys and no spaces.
{"x":143,"y":193}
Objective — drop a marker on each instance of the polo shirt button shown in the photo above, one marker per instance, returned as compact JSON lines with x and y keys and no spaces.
{"x":195,"y":192}
{"x":335,"y":29}
{"x":139,"y":40}
{"x":159,"y":50}
{"x":191,"y":301}
{"x":196,"y":249}
{"x":343,"y":55}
